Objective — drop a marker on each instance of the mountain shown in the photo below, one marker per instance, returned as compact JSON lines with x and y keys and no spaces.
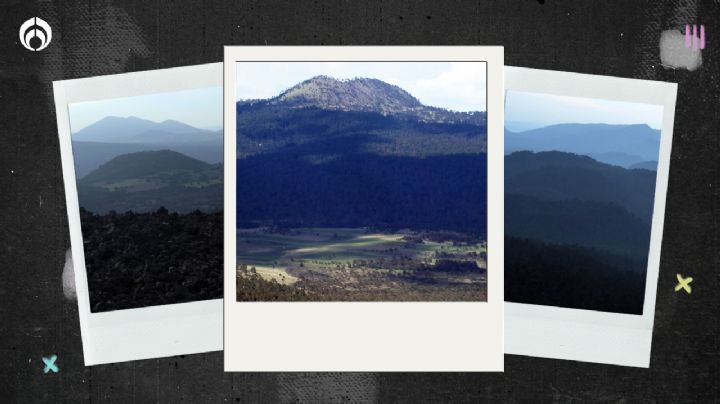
{"x":147,"y":180}
{"x":115,"y":129}
{"x":558,"y":176}
{"x":521,"y":126}
{"x":645,"y":165}
{"x":323,"y":109}
{"x":584,"y":223}
{"x":634,"y":140}
{"x":173,"y":138}
{"x":359,"y":153}
{"x":90,"y":155}
{"x":112,"y":136}
{"x":364,"y":95}
{"x":143,"y":164}
{"x":360,"y":94}
{"x":600,"y":225}
{"x":617,"y":158}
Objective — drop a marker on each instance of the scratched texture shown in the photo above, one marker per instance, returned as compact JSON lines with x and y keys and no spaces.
{"x":618,"y":38}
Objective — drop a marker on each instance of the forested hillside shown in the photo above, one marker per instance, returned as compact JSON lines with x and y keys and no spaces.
{"x":574,"y":227}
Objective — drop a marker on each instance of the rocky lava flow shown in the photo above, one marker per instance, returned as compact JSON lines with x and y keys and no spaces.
{"x":144,"y":259}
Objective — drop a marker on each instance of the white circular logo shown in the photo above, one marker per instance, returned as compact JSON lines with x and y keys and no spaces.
{"x":35,"y":34}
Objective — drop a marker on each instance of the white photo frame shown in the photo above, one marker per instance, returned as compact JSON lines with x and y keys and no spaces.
{"x":586,"y":335}
{"x":139,"y":333}
{"x":353,"y":336}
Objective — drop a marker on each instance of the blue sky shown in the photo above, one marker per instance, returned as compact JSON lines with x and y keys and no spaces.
{"x":202,"y":108}
{"x":458,"y":86}
{"x":545,"y":109}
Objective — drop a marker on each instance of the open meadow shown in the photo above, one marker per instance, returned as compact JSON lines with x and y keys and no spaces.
{"x":357,"y":264}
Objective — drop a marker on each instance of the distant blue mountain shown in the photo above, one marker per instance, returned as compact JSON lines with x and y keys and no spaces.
{"x":645,"y":165}
{"x":113,"y":129}
{"x":112,"y":136}
{"x":165,"y":137}
{"x":590,"y":139}
{"x":521,"y":126}
{"x":617,"y":158}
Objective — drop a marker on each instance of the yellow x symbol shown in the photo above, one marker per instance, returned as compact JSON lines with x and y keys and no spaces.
{"x":684,"y":283}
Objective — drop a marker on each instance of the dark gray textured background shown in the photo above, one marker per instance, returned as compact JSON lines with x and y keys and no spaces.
{"x":617,"y":38}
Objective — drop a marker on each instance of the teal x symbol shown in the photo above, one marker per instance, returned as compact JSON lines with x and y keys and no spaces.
{"x":50,"y":364}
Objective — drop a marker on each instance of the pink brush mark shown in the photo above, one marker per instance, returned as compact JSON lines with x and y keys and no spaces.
{"x":696,"y":42}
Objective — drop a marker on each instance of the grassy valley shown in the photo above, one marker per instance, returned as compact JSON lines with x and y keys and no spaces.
{"x":329,"y":264}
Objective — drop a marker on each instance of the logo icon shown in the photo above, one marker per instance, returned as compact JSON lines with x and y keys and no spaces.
{"x":35,"y":34}
{"x":693,"y":40}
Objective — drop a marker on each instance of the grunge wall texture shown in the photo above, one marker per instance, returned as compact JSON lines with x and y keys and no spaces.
{"x":618,"y":38}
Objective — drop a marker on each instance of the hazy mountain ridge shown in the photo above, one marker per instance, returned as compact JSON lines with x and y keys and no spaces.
{"x":601,"y":225}
{"x":617,"y":158}
{"x":136,"y":130}
{"x":645,"y":165}
{"x":565,"y":176}
{"x":113,"y":136}
{"x":634,"y":142}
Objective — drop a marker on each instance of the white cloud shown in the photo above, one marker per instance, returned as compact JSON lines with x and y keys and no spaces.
{"x":464,"y":82}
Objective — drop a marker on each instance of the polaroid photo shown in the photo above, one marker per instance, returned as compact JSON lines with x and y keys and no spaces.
{"x":142,"y":165}
{"x":586,"y":173}
{"x":363,"y":209}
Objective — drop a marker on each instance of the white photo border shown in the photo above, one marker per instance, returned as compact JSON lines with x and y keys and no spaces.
{"x":148,"y":332}
{"x":369,"y":336}
{"x":587,"y":335}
